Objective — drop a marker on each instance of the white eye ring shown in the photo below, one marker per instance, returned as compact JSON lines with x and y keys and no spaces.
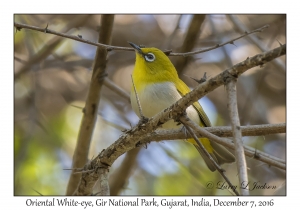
{"x":150,"y":57}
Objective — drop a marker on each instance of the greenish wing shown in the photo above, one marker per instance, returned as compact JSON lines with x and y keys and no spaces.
{"x":183,"y":89}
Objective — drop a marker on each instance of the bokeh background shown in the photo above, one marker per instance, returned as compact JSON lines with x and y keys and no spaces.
{"x":52,"y":76}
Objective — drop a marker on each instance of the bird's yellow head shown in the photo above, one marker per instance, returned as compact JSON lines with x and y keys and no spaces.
{"x":152,"y":66}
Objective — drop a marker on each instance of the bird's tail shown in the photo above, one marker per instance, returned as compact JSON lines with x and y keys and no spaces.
{"x":219,"y":153}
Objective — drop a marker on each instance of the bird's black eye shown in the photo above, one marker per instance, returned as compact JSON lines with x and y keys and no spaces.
{"x":150,"y":57}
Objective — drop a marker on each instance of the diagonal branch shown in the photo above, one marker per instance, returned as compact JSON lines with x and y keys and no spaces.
{"x":250,"y":152}
{"x":121,"y":92}
{"x":130,"y":138}
{"x":185,"y":121}
{"x":237,"y":134}
{"x":90,"y":110}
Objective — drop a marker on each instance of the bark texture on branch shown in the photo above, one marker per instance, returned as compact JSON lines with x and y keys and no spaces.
{"x":130,"y":139}
{"x":237,"y":134}
{"x":90,"y":110}
{"x":221,"y":131}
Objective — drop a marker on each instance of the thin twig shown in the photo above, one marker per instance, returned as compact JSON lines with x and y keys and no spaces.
{"x":73,"y":37}
{"x":83,"y":171}
{"x":241,"y":28}
{"x":110,"y":47}
{"x":111,"y":85}
{"x":20,"y":60}
{"x":199,"y":81}
{"x":137,"y":100}
{"x":250,"y":152}
{"x":227,"y":60}
{"x":220,"y":45}
{"x":184,"y":121}
{"x":37,"y":192}
{"x":49,"y":47}
{"x":131,"y":138}
{"x":237,"y":134}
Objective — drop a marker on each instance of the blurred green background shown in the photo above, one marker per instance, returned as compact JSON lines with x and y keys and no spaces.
{"x":52,"y":76}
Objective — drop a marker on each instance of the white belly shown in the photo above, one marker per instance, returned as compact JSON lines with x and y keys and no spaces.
{"x":155,"y":98}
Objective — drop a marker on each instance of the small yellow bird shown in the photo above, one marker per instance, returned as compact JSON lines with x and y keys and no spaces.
{"x":158,"y":87}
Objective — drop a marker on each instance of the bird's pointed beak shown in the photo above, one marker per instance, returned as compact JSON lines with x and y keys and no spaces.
{"x":136,"y":47}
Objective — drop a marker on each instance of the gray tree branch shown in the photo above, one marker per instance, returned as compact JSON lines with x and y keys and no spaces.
{"x":80,"y":156}
{"x":186,"y":122}
{"x":130,"y":139}
{"x":237,"y":134}
{"x":221,"y":131}
{"x":250,"y":152}
{"x":102,"y":184}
